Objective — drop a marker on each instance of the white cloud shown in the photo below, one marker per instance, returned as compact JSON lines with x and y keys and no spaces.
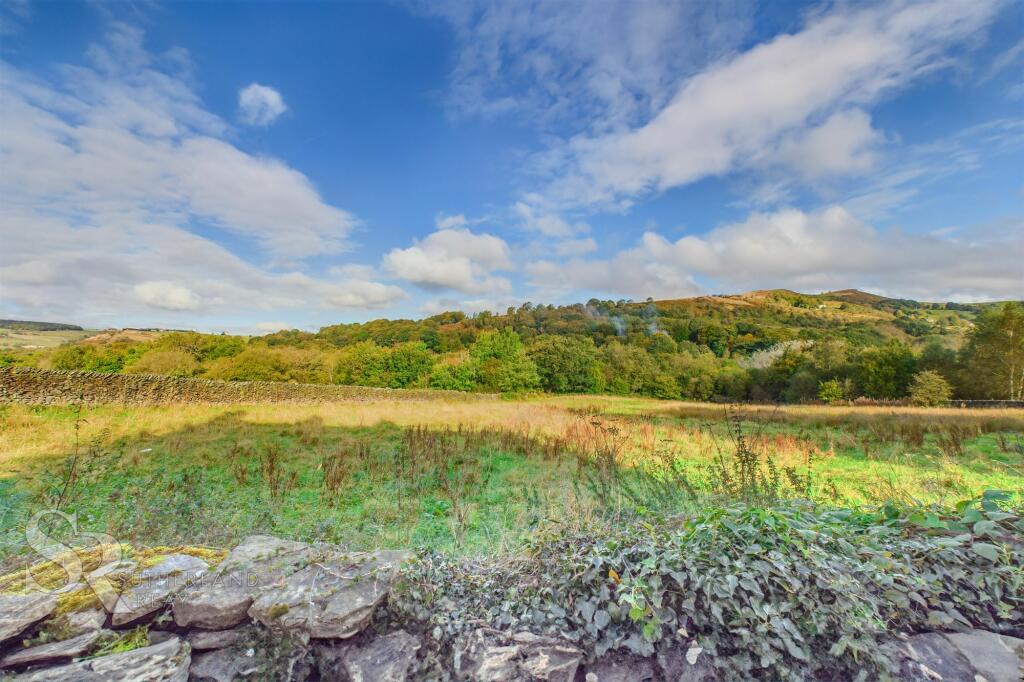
{"x":453,"y":259}
{"x":565,"y":62}
{"x":271,"y":327}
{"x":575,"y":247}
{"x":845,"y":143}
{"x":470,"y":306}
{"x":167,"y":295}
{"x":108,"y":172}
{"x":260,"y":105}
{"x":781,"y":94}
{"x":826,"y":249}
{"x":547,"y":224}
{"x":449,"y":222}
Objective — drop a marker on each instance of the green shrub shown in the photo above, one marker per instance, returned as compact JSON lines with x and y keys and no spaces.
{"x":930,"y":389}
{"x":566,"y":364}
{"x":175,"y":363}
{"x":781,"y":593}
{"x":831,"y":391}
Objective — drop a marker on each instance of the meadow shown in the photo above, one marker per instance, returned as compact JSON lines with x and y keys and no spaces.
{"x":474,"y":478}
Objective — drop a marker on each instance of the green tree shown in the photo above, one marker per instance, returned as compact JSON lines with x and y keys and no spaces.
{"x":831,"y":391}
{"x":175,"y":363}
{"x":406,"y":363}
{"x":566,"y":364}
{"x":885,"y":371}
{"x":930,"y":389}
{"x":503,"y":363}
{"x":459,"y":376}
{"x":993,"y":356}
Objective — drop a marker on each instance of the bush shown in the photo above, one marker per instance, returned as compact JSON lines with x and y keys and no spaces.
{"x":831,"y":391}
{"x":566,"y":364}
{"x":784,"y":593}
{"x":175,"y":363}
{"x":930,"y":389}
{"x":459,"y":376}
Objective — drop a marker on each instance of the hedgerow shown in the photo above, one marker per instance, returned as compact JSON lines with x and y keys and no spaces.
{"x":769,"y":593}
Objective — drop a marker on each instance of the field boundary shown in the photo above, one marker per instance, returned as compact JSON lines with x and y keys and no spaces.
{"x":31,"y":386}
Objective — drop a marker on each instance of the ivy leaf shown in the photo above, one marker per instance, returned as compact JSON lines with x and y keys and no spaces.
{"x":983,"y":549}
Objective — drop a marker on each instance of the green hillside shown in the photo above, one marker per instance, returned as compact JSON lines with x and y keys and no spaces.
{"x":763,"y":345}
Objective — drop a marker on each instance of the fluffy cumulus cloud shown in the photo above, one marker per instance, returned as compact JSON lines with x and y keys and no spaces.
{"x":260,"y":105}
{"x":112,"y":171}
{"x":826,"y":249}
{"x":795,"y":99}
{"x":455,"y":259}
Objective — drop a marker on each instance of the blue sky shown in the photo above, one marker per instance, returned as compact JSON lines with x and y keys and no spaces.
{"x":246,"y":167}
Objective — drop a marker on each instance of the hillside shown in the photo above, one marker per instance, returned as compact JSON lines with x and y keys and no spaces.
{"x":28,"y":325}
{"x":762,"y":345}
{"x":728,"y":324}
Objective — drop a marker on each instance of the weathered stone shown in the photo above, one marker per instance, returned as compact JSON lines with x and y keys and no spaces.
{"x":621,"y":668}
{"x":207,"y":640}
{"x":333,"y":598}
{"x":165,"y":662}
{"x":151,"y":589}
{"x":682,"y":662}
{"x":383,"y":659}
{"x":929,"y":657}
{"x":52,"y":651}
{"x":221,"y":599}
{"x":223,"y":665}
{"x":107,"y":580}
{"x":498,"y":664}
{"x":280,"y":661}
{"x":555,"y":662}
{"x":19,"y":611}
{"x":989,"y":655}
{"x":491,"y":656}
{"x":80,"y":622}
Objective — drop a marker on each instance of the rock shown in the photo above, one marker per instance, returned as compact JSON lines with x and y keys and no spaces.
{"x":498,"y":664}
{"x":989,"y":654}
{"x":490,"y":656}
{"x":150,"y":590}
{"x":931,"y":657}
{"x":206,"y":640}
{"x":223,"y":665}
{"x":19,"y":611}
{"x":106,"y":581}
{"x":165,"y":662}
{"x":53,"y":651}
{"x":383,"y":659}
{"x":221,"y":598}
{"x":333,"y":598}
{"x":79,"y":622}
{"x":280,"y":660}
{"x":555,"y":663}
{"x":682,"y":662}
{"x":621,"y":668}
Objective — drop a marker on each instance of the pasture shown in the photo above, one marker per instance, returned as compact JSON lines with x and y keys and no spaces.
{"x":473,"y":478}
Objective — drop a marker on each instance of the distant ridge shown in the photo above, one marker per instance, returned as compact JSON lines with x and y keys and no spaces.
{"x":29,"y":325}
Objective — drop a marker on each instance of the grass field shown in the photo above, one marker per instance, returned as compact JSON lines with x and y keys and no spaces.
{"x":28,"y":339}
{"x":471,"y":477}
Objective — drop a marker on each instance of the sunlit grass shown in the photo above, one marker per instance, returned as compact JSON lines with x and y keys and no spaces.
{"x":197,"y":474}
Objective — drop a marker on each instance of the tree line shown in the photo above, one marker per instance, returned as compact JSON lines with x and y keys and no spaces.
{"x":616,"y":348}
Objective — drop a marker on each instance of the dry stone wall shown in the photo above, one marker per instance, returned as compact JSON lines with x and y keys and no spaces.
{"x":32,"y":386}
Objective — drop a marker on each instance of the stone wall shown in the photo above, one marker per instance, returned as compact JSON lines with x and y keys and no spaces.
{"x":46,"y":387}
{"x":287,"y":611}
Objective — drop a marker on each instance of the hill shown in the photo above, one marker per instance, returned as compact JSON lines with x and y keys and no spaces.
{"x":28,"y":325}
{"x":762,"y":345}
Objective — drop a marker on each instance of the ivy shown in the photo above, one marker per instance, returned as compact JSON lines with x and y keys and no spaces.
{"x":773,"y":593}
